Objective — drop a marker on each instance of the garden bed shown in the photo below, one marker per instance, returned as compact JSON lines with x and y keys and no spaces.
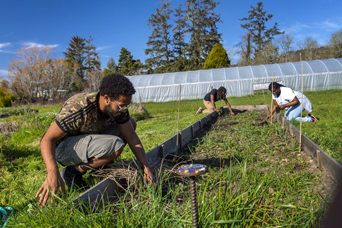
{"x":257,"y":177}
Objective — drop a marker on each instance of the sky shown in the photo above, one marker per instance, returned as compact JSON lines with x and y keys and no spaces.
{"x":114,"y":24}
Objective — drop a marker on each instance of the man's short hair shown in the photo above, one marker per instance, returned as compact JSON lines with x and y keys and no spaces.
{"x":115,"y":85}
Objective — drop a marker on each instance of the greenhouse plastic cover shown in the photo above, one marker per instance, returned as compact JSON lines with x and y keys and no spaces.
{"x":239,"y":81}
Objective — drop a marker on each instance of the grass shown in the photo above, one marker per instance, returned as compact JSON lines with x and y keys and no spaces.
{"x":22,"y":171}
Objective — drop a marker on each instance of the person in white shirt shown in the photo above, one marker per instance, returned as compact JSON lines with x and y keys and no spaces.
{"x":290,"y":100}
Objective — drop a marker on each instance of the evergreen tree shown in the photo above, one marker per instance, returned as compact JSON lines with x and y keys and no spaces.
{"x":217,"y":58}
{"x":92,"y":61}
{"x":159,"y":43}
{"x":127,"y":65}
{"x":75,"y":56}
{"x":203,"y":29}
{"x":82,"y":58}
{"x":111,"y":67}
{"x":256,"y":27}
{"x":179,"y":44}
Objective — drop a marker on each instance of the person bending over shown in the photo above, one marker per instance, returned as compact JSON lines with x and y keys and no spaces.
{"x":90,"y":131}
{"x":210,"y":99}
{"x":290,"y":100}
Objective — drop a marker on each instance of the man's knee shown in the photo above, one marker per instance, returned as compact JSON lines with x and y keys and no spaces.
{"x":116,"y":154}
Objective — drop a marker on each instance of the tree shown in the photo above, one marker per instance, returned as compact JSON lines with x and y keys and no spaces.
{"x":82,"y":58}
{"x":217,"y":58}
{"x":111,"y":67}
{"x":244,"y":50}
{"x":159,"y":43}
{"x":75,"y":56}
{"x":92,"y":61}
{"x":59,"y":80}
{"x":285,"y":43}
{"x":203,"y":29}
{"x":268,"y":55}
{"x":311,"y":49}
{"x":178,"y":43}
{"x":6,"y":96}
{"x":127,"y":65}
{"x":94,"y":80}
{"x":335,"y":43}
{"x":28,"y":73}
{"x":256,"y":27}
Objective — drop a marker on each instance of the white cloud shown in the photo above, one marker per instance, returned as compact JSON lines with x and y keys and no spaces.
{"x":329,"y":25}
{"x":3,"y":73}
{"x":28,"y":45}
{"x":296,"y":28}
{"x":2,"y":45}
{"x":103,"y":48}
{"x":11,"y":52}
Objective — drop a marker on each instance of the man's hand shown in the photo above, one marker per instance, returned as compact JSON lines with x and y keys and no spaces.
{"x":51,"y":184}
{"x":232,"y":113}
{"x":148,"y":175}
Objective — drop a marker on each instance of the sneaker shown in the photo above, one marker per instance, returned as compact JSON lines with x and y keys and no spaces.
{"x":73,"y":177}
{"x":313,"y":118}
{"x":200,"y":110}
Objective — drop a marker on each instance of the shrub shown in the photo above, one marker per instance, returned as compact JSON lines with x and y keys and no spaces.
{"x":138,"y":112}
{"x":217,"y":58}
{"x":5,"y":98}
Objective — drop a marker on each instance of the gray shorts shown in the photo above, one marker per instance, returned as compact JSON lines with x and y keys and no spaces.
{"x":74,"y":150}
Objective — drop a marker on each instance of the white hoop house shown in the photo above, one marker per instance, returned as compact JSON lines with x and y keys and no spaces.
{"x":239,"y":81}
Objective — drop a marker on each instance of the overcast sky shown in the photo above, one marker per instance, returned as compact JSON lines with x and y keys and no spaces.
{"x":114,"y":24}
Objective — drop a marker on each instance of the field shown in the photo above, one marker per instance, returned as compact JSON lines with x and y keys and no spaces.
{"x":263,"y":182}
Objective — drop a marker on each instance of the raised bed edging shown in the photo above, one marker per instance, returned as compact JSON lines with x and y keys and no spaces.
{"x":322,"y":158}
{"x":100,"y":194}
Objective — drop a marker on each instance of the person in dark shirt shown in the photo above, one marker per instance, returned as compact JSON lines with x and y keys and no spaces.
{"x":210,"y":99}
{"x":90,"y":131}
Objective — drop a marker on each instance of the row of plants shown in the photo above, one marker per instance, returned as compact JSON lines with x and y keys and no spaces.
{"x":22,"y":169}
{"x":256,"y":177}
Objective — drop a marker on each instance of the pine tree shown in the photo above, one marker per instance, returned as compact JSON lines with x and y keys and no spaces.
{"x":127,"y":65}
{"x":92,"y":61}
{"x":111,"y":67}
{"x":203,"y":29}
{"x":75,"y":57}
{"x":179,"y":44}
{"x":217,"y":58}
{"x":159,"y":43}
{"x":256,"y":27}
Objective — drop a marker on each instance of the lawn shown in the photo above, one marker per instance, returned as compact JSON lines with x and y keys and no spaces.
{"x":22,"y":170}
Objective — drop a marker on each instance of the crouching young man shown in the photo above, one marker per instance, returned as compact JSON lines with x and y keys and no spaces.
{"x":90,"y":131}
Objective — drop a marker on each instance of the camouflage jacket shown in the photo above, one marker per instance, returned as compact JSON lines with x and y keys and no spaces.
{"x":80,"y":114}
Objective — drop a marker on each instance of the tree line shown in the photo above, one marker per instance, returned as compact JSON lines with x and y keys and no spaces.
{"x":182,"y":39}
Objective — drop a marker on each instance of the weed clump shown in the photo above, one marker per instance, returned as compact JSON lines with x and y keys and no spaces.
{"x":139,"y":112}
{"x":6,"y":128}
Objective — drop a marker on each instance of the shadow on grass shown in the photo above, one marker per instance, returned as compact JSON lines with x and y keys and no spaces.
{"x":12,"y":152}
